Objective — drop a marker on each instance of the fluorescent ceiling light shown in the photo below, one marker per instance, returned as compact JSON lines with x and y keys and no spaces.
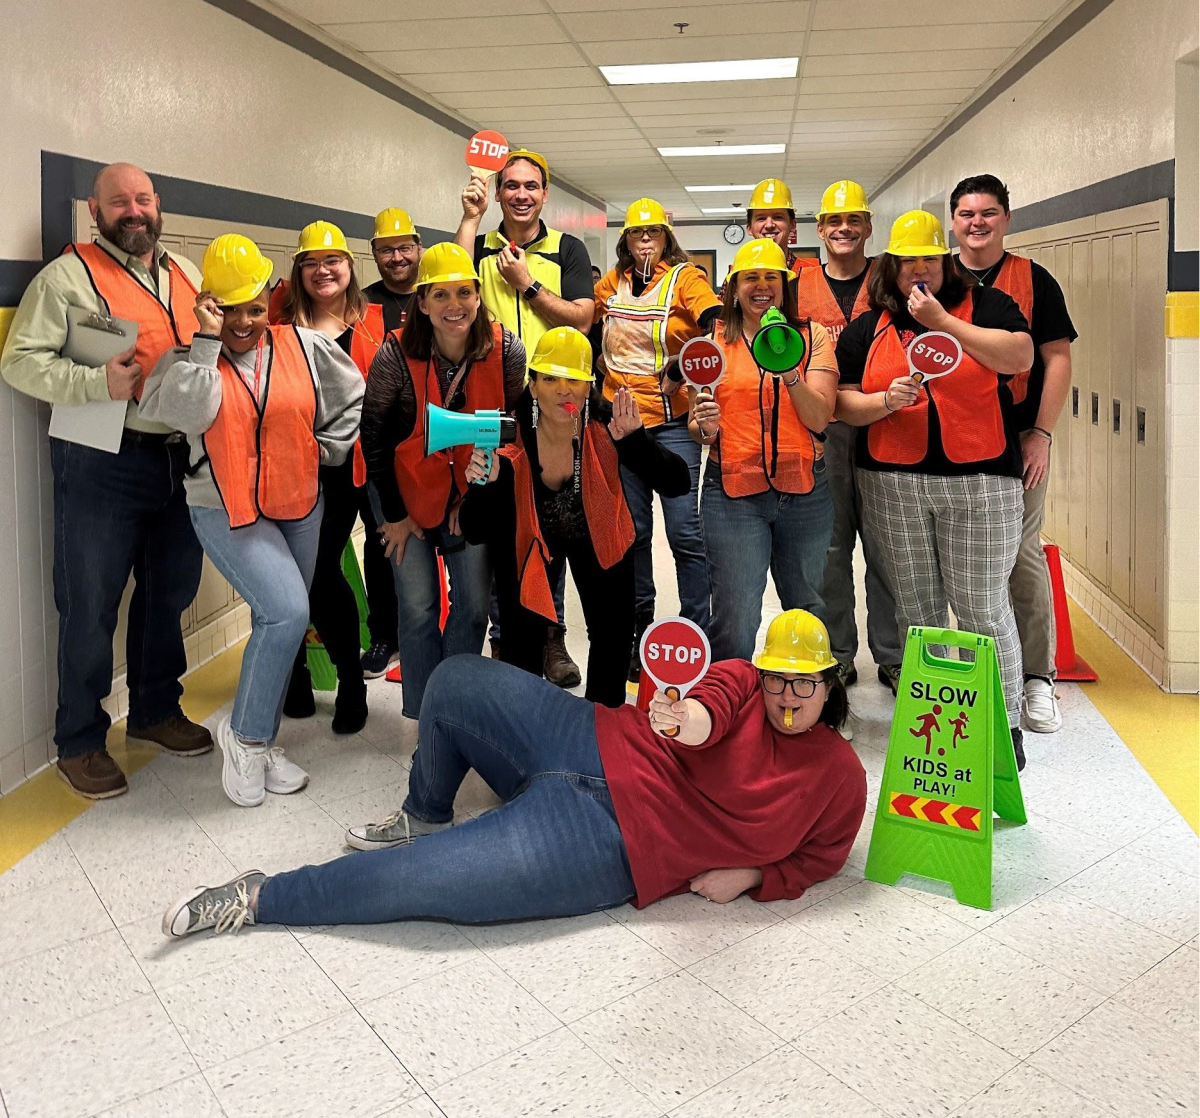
{"x":671,"y":73}
{"x":724,"y":149}
{"x":723,"y":209}
{"x":719,"y":189}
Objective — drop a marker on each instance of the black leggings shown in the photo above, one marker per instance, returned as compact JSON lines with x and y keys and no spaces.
{"x":607,"y":600}
{"x":377,"y":574}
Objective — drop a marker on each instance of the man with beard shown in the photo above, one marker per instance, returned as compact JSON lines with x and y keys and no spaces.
{"x":115,"y":513}
{"x":396,"y":247}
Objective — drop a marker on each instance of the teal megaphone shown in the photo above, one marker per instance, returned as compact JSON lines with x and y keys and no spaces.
{"x":778,"y":346}
{"x":485,"y":428}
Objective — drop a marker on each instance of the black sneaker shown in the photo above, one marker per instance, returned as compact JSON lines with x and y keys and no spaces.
{"x":889,"y":676}
{"x":847,"y":673}
{"x":378,"y":658}
{"x":1018,"y":737}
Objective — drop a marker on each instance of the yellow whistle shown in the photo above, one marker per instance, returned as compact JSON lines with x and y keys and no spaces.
{"x":787,"y":718}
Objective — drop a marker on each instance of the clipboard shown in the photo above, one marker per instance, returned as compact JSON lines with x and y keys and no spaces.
{"x":92,"y":340}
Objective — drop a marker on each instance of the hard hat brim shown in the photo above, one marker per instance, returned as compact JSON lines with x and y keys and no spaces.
{"x":826,"y":213}
{"x":243,"y":294}
{"x":917,"y":250}
{"x":561,"y":371}
{"x":780,"y":664}
{"x":305,"y":251}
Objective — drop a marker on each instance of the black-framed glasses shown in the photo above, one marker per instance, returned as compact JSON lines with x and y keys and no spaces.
{"x":397,"y":250}
{"x":328,"y":263}
{"x":777,"y":685}
{"x":650,"y":232}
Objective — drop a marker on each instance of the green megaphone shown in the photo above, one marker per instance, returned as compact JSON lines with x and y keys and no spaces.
{"x":778,"y":346}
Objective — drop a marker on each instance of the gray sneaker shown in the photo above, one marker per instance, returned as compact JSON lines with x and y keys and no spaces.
{"x":398,"y":829}
{"x":220,"y":907}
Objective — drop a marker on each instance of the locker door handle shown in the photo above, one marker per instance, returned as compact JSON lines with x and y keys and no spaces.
{"x":1141,"y":425}
{"x":1074,"y":402}
{"x":1095,"y":409}
{"x":1116,"y":412}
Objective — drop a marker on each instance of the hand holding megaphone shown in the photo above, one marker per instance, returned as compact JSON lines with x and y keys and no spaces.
{"x":486,"y":429}
{"x":778,"y":346}
{"x":483,"y":468}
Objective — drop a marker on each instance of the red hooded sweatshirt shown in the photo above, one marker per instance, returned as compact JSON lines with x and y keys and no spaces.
{"x":790,"y":805}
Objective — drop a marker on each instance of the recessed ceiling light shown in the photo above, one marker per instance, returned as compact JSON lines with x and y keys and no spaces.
{"x":719,"y":189}
{"x":722,"y":209}
{"x":723,"y":149}
{"x":669,"y":73}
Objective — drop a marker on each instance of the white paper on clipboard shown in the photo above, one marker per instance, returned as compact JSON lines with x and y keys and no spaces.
{"x":93,"y":339}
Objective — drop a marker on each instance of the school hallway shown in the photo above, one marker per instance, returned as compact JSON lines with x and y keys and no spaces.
{"x":1075,"y":996}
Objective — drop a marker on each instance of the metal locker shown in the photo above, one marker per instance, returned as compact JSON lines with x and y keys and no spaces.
{"x":1095,"y":412}
{"x":1120,"y":467}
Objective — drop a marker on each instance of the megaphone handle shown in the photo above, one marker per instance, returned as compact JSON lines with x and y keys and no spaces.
{"x":487,"y":467}
{"x":672,"y":693}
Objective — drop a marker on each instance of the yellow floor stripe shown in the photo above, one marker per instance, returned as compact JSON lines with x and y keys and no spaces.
{"x":42,"y":806}
{"x":1162,"y":731}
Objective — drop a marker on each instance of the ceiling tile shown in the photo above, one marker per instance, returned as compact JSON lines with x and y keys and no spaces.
{"x":528,"y":80}
{"x":435,"y":34}
{"x":683,"y":48}
{"x":689,"y":91}
{"x":870,"y":14}
{"x":544,"y":113}
{"x":485,"y":98}
{"x":565,"y":6}
{"x":715,"y":20}
{"x":962,"y":81}
{"x":904,"y":62}
{"x":407,"y":62}
{"x":947,"y":98}
{"x":361,"y":11}
{"x":705,"y":120}
{"x":906,"y":37}
{"x":710,"y":105}
{"x":927,"y":115}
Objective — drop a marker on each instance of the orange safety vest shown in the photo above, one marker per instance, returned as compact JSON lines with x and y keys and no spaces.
{"x":802,"y":264}
{"x":815,"y":300}
{"x":263,"y":455}
{"x":762,"y":442}
{"x":277,"y":302}
{"x":425,"y":479}
{"x":968,"y":404}
{"x":610,"y":525}
{"x":364,"y":344}
{"x":125,"y":296}
{"x":1015,"y":278}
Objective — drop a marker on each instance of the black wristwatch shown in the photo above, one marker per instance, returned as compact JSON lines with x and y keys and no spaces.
{"x":532,"y":290}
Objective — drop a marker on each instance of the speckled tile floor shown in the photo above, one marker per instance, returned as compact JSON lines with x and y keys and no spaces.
{"x":1076,"y":997}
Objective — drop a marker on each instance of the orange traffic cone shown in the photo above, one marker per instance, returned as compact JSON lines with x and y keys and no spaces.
{"x":1069,"y":667}
{"x":393,"y":676}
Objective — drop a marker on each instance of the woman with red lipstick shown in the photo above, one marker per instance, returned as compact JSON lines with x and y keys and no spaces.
{"x":559,"y":494}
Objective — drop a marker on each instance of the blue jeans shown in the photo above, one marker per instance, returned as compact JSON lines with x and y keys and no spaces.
{"x":552,"y":849}
{"x":745,"y":536}
{"x":115,"y":514}
{"x":421,"y":643}
{"x":270,"y":563}
{"x":683,"y":530}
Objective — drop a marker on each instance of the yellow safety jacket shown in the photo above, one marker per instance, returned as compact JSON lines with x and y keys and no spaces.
{"x":511,"y":308}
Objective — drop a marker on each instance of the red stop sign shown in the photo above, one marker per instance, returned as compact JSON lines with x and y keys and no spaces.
{"x":487,"y":151}
{"x":675,"y":654}
{"x":702,"y":363}
{"x":933,"y":354}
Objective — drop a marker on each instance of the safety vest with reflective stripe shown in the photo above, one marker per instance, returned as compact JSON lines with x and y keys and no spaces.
{"x":160,"y":327}
{"x":262,"y":454}
{"x":815,"y":300}
{"x":509,"y":306}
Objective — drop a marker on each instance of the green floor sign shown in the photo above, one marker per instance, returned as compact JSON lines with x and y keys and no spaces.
{"x":950,"y":764}
{"x":322,"y":672}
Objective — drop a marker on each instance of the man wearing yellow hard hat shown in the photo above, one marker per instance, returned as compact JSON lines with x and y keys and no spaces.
{"x":940,"y":458}
{"x":771,"y":213}
{"x":396,"y":246}
{"x":834,"y":295}
{"x":601,"y":805}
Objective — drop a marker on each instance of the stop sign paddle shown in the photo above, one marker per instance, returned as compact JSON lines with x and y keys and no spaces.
{"x":675,"y":654}
{"x":487,"y":152}
{"x":702,"y":363}
{"x":933,"y":355}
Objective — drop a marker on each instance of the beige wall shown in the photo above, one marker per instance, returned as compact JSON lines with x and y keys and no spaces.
{"x":211,"y":100}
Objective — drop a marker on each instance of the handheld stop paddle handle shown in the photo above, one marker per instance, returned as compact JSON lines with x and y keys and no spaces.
{"x":672,"y":693}
{"x":487,"y":466}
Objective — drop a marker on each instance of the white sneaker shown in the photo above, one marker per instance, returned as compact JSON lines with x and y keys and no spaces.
{"x":242,"y":770}
{"x":281,"y":776}
{"x":1042,"y":715}
{"x":398,"y":829}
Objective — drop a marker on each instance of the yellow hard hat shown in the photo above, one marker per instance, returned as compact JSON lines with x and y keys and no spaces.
{"x":445,"y":263}
{"x":645,"y":211}
{"x":234,"y":269}
{"x":394,"y":222}
{"x":563,"y":352}
{"x":321,"y":236}
{"x":797,"y":641}
{"x":533,"y":157}
{"x":762,"y":253}
{"x":917,"y":233}
{"x":844,"y":197}
{"x":771,"y":194}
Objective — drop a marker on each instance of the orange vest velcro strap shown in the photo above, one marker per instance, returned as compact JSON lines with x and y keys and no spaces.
{"x":968,"y":404}
{"x":815,"y":300}
{"x":425,"y":480}
{"x":762,"y":443}
{"x":264,"y":457}
{"x":1015,"y":279}
{"x":364,"y":344}
{"x":160,"y":328}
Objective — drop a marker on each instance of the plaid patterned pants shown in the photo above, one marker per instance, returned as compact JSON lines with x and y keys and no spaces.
{"x":951,"y":540}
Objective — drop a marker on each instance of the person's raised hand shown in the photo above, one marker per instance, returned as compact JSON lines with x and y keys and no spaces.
{"x":209,"y":315}
{"x":923,"y":305}
{"x":475,"y":198}
{"x":707,"y":413}
{"x":626,"y":417}
{"x":124,"y":375}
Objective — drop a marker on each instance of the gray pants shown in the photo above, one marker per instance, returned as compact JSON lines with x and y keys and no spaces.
{"x":952,"y":540}
{"x":883,"y":637}
{"x":1029,"y":588}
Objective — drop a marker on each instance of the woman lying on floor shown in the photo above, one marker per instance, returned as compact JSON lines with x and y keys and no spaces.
{"x":758,"y":793}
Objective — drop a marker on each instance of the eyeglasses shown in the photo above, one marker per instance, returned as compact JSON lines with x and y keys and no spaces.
{"x":777,"y":685}
{"x":328,"y":263}
{"x":397,"y":250}
{"x":649,"y":232}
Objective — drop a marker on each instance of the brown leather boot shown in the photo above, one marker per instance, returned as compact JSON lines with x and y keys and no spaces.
{"x":557,"y":664}
{"x":175,"y":735}
{"x":95,"y":776}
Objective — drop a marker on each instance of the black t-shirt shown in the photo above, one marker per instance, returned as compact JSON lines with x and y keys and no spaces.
{"x":845,"y":292}
{"x":993,"y":310}
{"x":394,"y":306}
{"x":575,"y":266}
{"x":1051,"y":323}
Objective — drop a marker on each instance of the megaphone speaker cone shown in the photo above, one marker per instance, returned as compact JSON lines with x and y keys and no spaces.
{"x":778,"y":346}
